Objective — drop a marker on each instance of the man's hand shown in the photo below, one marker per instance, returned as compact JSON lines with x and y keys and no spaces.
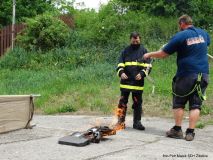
{"x":138,"y":77}
{"x":124,"y":76}
{"x":146,"y":56}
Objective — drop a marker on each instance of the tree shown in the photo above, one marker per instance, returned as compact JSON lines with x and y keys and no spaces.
{"x":44,"y":32}
{"x":200,"y":10}
{"x":168,"y":7}
{"x":24,"y":8}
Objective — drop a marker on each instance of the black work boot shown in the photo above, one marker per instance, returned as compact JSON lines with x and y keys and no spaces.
{"x":137,"y":118}
{"x":138,"y":125}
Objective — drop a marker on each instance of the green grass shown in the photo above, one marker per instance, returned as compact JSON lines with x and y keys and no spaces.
{"x":92,"y":89}
{"x":84,"y":88}
{"x":203,"y":123}
{"x":200,"y":125}
{"x":81,"y":77}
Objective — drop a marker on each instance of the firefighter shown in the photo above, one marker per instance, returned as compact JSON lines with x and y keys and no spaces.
{"x":132,"y":70}
{"x":191,"y":79}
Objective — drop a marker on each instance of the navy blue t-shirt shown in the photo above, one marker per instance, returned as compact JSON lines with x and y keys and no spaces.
{"x":191,"y":47}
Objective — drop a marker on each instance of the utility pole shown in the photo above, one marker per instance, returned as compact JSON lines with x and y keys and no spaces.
{"x":13,"y":23}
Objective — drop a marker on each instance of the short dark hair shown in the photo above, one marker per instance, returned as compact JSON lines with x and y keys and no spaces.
{"x":134,"y":35}
{"x":185,"y":19}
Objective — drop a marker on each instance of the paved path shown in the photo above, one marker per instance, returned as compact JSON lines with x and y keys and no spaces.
{"x":40,"y":143}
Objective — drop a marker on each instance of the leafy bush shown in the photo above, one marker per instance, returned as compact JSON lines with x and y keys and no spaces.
{"x":66,"y":108}
{"x":24,"y":9}
{"x":44,"y":32}
{"x":16,"y":59}
{"x":200,"y":125}
{"x":60,"y":58}
{"x":97,"y":37}
{"x":200,"y":10}
{"x":110,"y":27}
{"x":206,"y":110}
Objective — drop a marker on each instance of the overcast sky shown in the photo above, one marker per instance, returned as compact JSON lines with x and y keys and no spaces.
{"x":92,"y":3}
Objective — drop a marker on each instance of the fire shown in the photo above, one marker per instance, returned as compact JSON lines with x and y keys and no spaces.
{"x":109,"y":133}
{"x":114,"y":126}
{"x":119,"y":112}
{"x":119,"y":127}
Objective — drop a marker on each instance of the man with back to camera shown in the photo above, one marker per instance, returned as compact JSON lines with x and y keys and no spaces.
{"x":191,"y":79}
{"x":132,"y":69}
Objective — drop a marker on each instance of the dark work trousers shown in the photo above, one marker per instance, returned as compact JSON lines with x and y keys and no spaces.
{"x":136,"y":106}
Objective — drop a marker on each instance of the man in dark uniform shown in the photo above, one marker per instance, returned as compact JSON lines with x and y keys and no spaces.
{"x":191,"y":79}
{"x":132,"y":70}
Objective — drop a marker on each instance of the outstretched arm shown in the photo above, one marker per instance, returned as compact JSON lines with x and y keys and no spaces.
{"x":157,"y":54}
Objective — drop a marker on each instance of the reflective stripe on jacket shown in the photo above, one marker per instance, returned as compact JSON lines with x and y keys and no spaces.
{"x":131,"y":63}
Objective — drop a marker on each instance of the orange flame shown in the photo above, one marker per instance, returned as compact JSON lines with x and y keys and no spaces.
{"x":119,"y":127}
{"x":114,"y":126}
{"x":119,"y":112}
{"x":109,"y":133}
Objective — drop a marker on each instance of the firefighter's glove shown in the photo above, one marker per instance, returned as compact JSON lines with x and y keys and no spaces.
{"x":124,"y":76}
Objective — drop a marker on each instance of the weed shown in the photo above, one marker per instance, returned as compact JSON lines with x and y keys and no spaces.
{"x":200,"y":125}
{"x":205,"y":110}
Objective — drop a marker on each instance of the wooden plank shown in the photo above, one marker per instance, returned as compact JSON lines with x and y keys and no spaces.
{"x":1,"y":45}
{"x":4,"y":39}
{"x":67,"y":20}
{"x":8,"y":37}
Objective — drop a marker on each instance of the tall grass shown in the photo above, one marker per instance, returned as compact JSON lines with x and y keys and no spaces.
{"x":92,"y":88}
{"x":80,"y":86}
{"x":81,"y":76}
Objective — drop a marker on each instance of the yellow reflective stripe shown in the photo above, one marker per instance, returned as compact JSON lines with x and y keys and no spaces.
{"x":146,"y":73}
{"x":149,"y":65}
{"x":121,"y":65}
{"x":131,"y":87}
{"x":137,"y":64}
{"x":131,"y":63}
{"x":144,"y":64}
{"x":119,"y":70}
